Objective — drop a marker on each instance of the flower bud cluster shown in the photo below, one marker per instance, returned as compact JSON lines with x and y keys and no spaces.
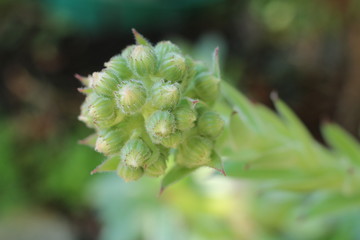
{"x":149,"y":100}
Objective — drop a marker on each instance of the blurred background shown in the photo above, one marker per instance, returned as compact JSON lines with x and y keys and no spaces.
{"x":306,"y":50}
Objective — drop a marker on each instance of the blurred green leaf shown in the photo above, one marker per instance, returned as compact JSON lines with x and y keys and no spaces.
{"x":342,"y":142}
{"x":331,"y":204}
{"x":299,"y":134}
{"x":108,"y":165}
{"x":241,"y":105}
{"x":175,"y":174}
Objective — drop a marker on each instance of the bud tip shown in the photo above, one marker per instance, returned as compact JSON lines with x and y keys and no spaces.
{"x":79,"y":77}
{"x":161,"y":191}
{"x":81,"y":90}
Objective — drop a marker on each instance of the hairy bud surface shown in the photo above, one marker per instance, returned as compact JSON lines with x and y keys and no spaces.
{"x":144,"y":107}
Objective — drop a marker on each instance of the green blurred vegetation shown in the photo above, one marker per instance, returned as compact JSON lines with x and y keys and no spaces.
{"x":308,"y":51}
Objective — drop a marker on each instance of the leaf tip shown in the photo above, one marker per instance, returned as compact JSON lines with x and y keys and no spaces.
{"x":81,"y":90}
{"x":162,"y":188}
{"x":274,"y":96}
{"x":220,"y":170}
{"x":94,"y":171}
{"x":135,"y":33}
{"x":216,"y":52}
{"x":79,"y":77}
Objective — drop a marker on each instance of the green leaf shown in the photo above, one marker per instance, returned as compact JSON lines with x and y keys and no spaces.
{"x":89,"y":140}
{"x":240,"y":170}
{"x":239,"y":134}
{"x":281,"y":157}
{"x":331,"y":204}
{"x":241,"y":105}
{"x":175,"y":174}
{"x":140,"y":39}
{"x":294,"y":123}
{"x":342,"y":142}
{"x":299,"y":133}
{"x":216,"y":163}
{"x":324,"y":180}
{"x":272,"y":124}
{"x":216,"y":64}
{"x":108,"y":165}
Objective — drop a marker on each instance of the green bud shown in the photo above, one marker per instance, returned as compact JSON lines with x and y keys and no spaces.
{"x":165,"y":95}
{"x":129,"y":173}
{"x":104,"y":83}
{"x":131,"y":96}
{"x":135,"y":153}
{"x":200,"y":68}
{"x":210,"y":124}
{"x":102,"y":111}
{"x":165,"y":47}
{"x":207,"y":87}
{"x":84,"y":110}
{"x":185,"y":115}
{"x":110,"y":142}
{"x":173,"y":67}
{"x":149,"y":104}
{"x":157,"y":168}
{"x":142,"y":60}
{"x":173,"y":140}
{"x":190,"y":72}
{"x":119,"y":65}
{"x":160,"y":125}
{"x":127,"y":51}
{"x":194,"y":152}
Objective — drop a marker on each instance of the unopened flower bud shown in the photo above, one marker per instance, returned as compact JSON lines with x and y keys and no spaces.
{"x":85,"y":108}
{"x":210,"y":124}
{"x":142,"y":60}
{"x":165,"y":47}
{"x":156,"y":168}
{"x":130,"y":96}
{"x":127,"y":51}
{"x":165,"y":95}
{"x":173,"y":67}
{"x":149,"y":104}
{"x":129,"y":173}
{"x":160,"y":125}
{"x":102,"y":111}
{"x":190,"y":72}
{"x":200,"y":68}
{"x":119,"y":65}
{"x":194,"y":152}
{"x":110,"y":142}
{"x":173,"y":140}
{"x":135,"y":153}
{"x":207,"y":87}
{"x":185,"y":115}
{"x":104,"y":83}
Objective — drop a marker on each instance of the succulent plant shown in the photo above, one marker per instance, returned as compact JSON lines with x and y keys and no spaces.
{"x":148,"y":103}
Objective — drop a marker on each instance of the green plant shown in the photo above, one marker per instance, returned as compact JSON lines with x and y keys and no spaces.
{"x":151,"y":103}
{"x":275,"y":150}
